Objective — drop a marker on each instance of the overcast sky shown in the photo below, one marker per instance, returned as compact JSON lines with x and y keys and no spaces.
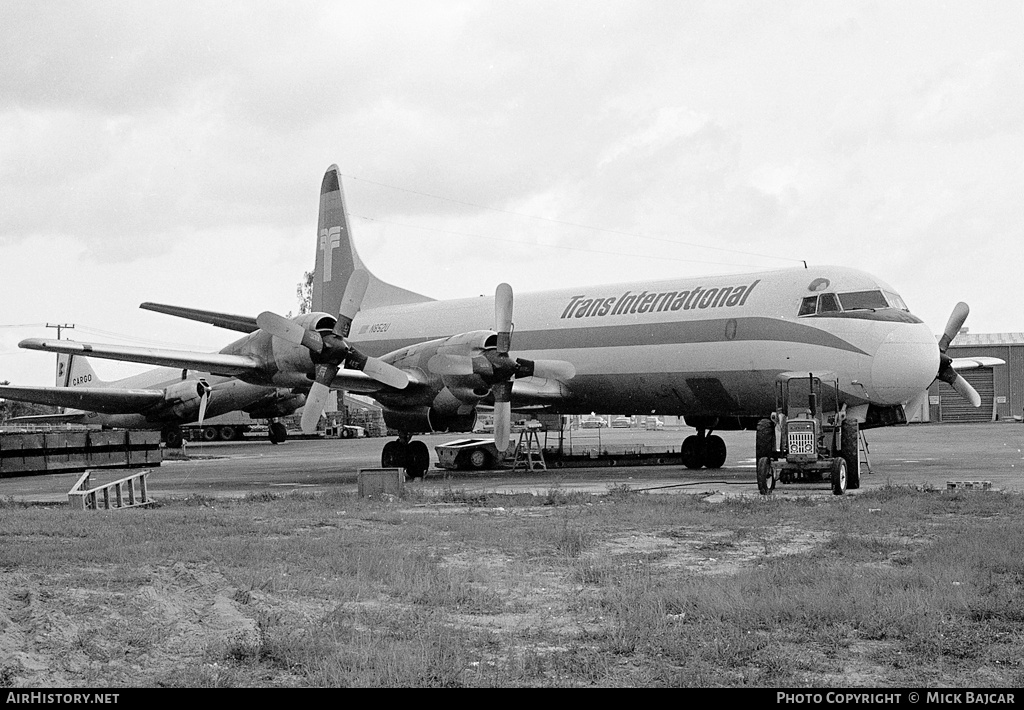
{"x":173,"y":152}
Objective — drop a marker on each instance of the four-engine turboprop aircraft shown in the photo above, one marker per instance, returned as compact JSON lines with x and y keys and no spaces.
{"x":708,"y":349}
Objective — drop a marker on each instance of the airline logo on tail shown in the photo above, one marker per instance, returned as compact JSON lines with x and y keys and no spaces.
{"x":329,"y":239}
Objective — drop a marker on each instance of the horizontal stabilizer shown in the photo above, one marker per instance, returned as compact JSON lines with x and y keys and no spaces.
{"x":214,"y":363}
{"x":243,"y":324}
{"x":107,"y":400}
{"x":969,"y":363}
{"x":68,"y":418}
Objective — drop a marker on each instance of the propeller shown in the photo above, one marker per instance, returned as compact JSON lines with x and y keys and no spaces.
{"x":204,"y":399}
{"x":498,"y":369}
{"x":504,"y":369}
{"x":502,"y":363}
{"x":946,"y":372}
{"x":332,"y":350}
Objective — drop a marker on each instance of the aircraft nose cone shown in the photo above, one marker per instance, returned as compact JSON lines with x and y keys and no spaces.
{"x":904,"y":365}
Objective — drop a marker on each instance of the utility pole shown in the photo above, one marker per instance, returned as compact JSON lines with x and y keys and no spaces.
{"x":60,"y":326}
{"x":61,"y":374}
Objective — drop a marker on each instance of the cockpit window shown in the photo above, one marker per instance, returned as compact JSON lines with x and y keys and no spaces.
{"x":822,"y":303}
{"x":859,"y":300}
{"x":895,"y":301}
{"x":852,"y":301}
{"x":828,"y":303}
{"x":808,"y":306}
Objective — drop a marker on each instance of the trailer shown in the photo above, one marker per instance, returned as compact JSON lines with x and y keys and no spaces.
{"x":469,"y":454}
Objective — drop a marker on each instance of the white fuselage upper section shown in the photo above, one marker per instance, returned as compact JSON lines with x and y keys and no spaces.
{"x":691,"y":346}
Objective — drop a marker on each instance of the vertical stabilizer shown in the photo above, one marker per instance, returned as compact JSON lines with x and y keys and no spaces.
{"x":75,"y":371}
{"x":336,"y":256}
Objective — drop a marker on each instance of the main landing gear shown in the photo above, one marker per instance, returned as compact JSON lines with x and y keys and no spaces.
{"x":703,"y":450}
{"x":413,"y":456}
{"x":173,"y":436}
{"x":277,"y":432}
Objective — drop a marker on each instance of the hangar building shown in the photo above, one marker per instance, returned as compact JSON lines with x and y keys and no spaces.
{"x":1001,"y":388}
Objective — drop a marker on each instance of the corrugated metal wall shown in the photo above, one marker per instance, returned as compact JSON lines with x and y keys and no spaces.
{"x":954,"y":408}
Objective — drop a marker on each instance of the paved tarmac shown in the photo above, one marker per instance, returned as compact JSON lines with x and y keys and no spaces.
{"x":927,"y":455}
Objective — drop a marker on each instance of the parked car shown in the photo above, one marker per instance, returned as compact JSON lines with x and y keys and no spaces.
{"x":592,"y":423}
{"x":654,"y":424}
{"x":621,"y":422}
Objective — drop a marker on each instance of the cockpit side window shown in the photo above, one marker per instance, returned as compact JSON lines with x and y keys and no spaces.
{"x":828,"y":303}
{"x":822,"y":303}
{"x":895,"y":301}
{"x":863,"y":300}
{"x":808,"y":306}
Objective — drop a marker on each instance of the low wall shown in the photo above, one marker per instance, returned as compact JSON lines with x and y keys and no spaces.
{"x":24,"y":453}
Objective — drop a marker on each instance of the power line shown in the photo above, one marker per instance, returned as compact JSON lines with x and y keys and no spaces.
{"x":575,"y":224}
{"x":658,"y":257}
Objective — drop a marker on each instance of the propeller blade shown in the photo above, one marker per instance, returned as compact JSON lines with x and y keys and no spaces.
{"x":965,"y":390}
{"x":289,"y":330}
{"x":203,"y":390}
{"x":314,"y":407}
{"x":503,"y":317}
{"x":502,"y":392}
{"x":962,"y":386}
{"x":385,"y":373}
{"x":317,"y":397}
{"x":953,"y":325}
{"x":443,"y":364}
{"x":355,"y":289}
{"x":502,"y":425}
{"x":551,"y":369}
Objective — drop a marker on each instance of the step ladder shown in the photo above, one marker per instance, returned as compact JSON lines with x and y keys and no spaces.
{"x":864,"y":459}
{"x":115,"y":495}
{"x":529,"y":453}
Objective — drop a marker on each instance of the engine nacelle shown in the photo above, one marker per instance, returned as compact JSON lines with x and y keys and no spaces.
{"x":182,"y":400}
{"x":421,"y":420}
{"x":292,"y":358}
{"x":279,"y":404}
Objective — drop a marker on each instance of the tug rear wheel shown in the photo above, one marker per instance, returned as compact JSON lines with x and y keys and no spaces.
{"x":839,"y":476}
{"x":765,"y":476}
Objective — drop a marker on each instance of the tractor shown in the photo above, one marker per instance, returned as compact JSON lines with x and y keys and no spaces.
{"x":816,"y":440}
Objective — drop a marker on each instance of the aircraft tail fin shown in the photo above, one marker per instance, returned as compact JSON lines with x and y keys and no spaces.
{"x":76,"y":371}
{"x":337,"y":258}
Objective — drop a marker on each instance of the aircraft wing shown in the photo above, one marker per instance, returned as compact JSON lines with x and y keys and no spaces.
{"x":244,"y":324}
{"x":214,"y":363}
{"x":108,"y":400}
{"x":969,"y":363}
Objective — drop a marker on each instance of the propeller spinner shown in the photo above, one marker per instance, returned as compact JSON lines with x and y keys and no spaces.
{"x":946,"y":372}
{"x":332,"y":350}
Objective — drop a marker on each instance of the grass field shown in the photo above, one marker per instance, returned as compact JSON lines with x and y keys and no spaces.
{"x":893,"y":587}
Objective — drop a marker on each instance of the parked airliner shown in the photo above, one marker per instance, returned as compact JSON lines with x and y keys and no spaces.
{"x":709,"y":349}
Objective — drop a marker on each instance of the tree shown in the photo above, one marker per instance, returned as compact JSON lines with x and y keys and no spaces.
{"x":304,"y":292}
{"x":10,"y":408}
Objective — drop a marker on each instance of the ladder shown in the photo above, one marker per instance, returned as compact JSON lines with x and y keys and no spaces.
{"x":865,"y":460}
{"x":529,"y":453}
